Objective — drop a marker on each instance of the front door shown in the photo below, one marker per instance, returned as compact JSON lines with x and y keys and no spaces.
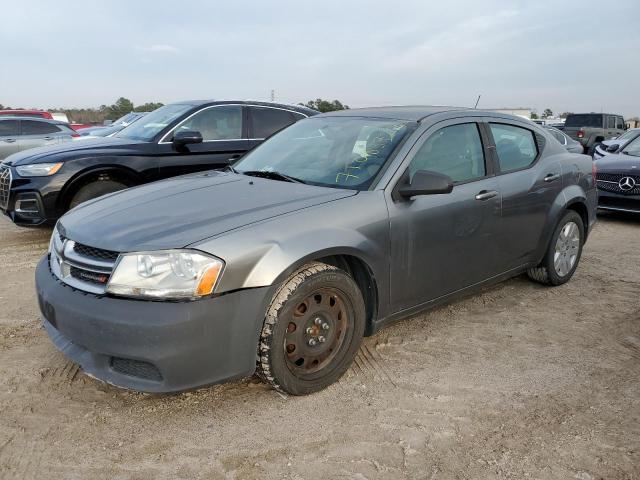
{"x":34,"y":133}
{"x":223,"y":142}
{"x":9,"y":137}
{"x":445,"y":242}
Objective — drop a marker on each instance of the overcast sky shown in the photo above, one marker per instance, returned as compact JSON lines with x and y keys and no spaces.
{"x":568,"y":56}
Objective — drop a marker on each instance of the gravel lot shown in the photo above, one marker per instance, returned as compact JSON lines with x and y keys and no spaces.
{"x":519,"y":382}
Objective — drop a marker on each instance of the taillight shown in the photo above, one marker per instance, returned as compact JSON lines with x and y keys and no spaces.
{"x":580,"y":134}
{"x":75,"y":135}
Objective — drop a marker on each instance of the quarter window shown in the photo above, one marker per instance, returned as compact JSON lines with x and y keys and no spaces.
{"x":216,"y":123}
{"x":267,"y":121}
{"x":8,"y":128}
{"x":515,"y":146}
{"x":31,"y":127}
{"x":559,"y":136}
{"x":455,"y":151}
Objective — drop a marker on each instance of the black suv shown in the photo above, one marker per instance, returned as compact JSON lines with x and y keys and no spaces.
{"x":39,"y":186}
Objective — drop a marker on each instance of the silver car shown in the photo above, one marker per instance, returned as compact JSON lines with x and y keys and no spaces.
{"x":20,"y":133}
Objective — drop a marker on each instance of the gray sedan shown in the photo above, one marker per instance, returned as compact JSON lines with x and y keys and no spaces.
{"x":565,"y":140}
{"x":331,"y":229}
{"x":20,"y":133}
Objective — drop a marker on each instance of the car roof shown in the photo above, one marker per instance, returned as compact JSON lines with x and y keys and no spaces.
{"x":286,"y":106}
{"x":414,"y":113}
{"x":32,"y":119}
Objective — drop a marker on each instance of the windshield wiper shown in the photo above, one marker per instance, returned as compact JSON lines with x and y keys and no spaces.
{"x":272,"y":175}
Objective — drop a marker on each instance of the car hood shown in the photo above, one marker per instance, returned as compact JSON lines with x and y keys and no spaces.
{"x":177,"y":212}
{"x":66,"y":151}
{"x":619,"y":163}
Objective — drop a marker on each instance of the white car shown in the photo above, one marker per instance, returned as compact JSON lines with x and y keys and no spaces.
{"x":604,"y":147}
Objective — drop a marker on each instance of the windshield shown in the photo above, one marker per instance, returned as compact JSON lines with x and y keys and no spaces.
{"x":628,"y":135}
{"x":150,"y":125}
{"x":584,"y":120}
{"x":341,"y":152}
{"x":633,"y":148}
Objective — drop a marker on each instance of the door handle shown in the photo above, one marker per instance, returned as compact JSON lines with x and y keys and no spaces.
{"x":552,"y":177}
{"x":48,"y":138}
{"x":486,"y":194}
{"x":10,"y":140}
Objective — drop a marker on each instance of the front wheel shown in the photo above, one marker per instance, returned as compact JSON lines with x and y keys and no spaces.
{"x":95,"y":190}
{"x":563,"y":252}
{"x":312,"y":330}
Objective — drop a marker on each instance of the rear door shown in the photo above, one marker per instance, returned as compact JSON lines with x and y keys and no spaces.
{"x":265,"y":121}
{"x":529,"y":183}
{"x":34,"y":133}
{"x":442,"y":243}
{"x":224,"y":141}
{"x":610,"y":127}
{"x":9,"y":137}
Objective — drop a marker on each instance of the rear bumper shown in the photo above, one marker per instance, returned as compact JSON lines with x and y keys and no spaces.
{"x":153,"y":346}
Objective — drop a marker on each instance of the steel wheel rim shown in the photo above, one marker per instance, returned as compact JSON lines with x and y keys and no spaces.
{"x":567,"y":248}
{"x":316,"y":331}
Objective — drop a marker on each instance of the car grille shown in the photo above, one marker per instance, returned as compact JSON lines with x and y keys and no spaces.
{"x":136,"y":368}
{"x":5,"y":186}
{"x":81,"y":266}
{"x":610,"y":182}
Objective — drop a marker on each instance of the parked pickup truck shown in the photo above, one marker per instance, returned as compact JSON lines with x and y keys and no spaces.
{"x":592,"y":128}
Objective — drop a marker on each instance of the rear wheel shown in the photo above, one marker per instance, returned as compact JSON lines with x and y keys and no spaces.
{"x":563,"y":253}
{"x":312,"y":330}
{"x":95,"y":190}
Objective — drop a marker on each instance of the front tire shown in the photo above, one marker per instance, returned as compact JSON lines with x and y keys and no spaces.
{"x":312,"y":330}
{"x":95,"y":190}
{"x":563,"y":253}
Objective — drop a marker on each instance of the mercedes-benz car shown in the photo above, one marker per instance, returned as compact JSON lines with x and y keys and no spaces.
{"x":619,"y":179}
{"x":614,"y":145}
{"x":333,"y":228}
{"x":38,"y":186}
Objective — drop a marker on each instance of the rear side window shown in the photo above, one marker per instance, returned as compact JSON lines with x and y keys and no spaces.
{"x":216,"y":123}
{"x":455,"y":151}
{"x":31,"y":127}
{"x":515,"y":146}
{"x":559,"y":136}
{"x":266,"y":121}
{"x":584,"y":120}
{"x":9,"y":128}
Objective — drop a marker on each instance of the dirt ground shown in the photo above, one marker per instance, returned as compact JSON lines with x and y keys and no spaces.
{"x":520,"y":382}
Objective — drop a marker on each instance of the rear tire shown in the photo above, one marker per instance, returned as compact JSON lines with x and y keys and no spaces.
{"x":563,"y":253}
{"x":95,"y":190}
{"x":312,"y":330}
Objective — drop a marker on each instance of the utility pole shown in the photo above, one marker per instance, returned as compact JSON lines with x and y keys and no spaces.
{"x":273,"y":95}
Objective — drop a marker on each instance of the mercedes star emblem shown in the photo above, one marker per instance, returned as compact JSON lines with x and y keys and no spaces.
{"x":626,"y":183}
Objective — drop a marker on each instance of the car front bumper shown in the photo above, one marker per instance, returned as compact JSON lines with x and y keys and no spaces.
{"x":30,"y":202}
{"x":617,"y":202}
{"x":153,"y":346}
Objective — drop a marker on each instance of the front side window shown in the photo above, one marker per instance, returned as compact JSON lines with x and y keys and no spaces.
{"x":620,"y":123}
{"x":9,"y":128}
{"x":340,"y":152}
{"x":151,"y":125}
{"x":216,"y":123}
{"x":515,"y":146}
{"x":611,"y":121}
{"x":31,"y":127}
{"x":266,"y":121}
{"x":455,"y":151}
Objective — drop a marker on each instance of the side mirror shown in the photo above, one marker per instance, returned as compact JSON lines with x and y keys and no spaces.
{"x":613,"y":148}
{"x":426,"y":183}
{"x":186,"y":137}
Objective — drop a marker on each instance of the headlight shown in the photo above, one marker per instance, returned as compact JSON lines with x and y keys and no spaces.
{"x":38,"y":169}
{"x":169,"y":274}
